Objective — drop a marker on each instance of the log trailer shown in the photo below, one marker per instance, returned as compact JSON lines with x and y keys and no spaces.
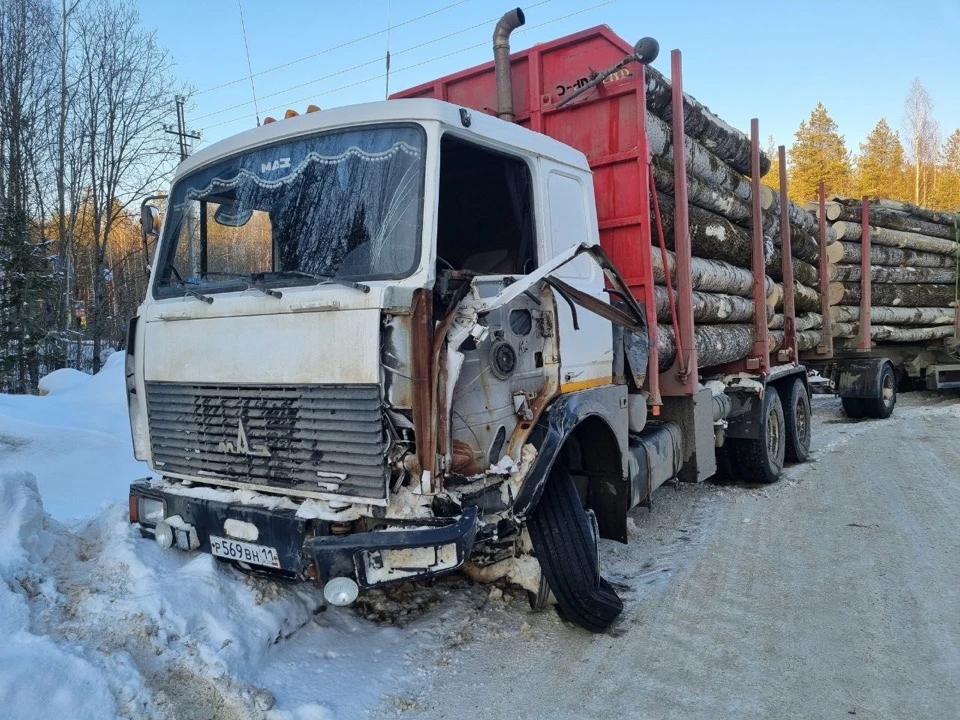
{"x":865,"y":375}
{"x":388,"y":341}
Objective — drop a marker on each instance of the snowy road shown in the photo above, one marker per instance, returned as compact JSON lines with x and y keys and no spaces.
{"x":831,"y":593}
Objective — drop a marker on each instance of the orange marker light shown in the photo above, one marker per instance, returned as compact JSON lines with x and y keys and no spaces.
{"x":289,"y":114}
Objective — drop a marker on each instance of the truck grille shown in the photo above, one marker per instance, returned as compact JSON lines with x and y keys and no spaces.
{"x":326,"y":438}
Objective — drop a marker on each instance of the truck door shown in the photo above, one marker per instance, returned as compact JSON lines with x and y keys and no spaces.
{"x":586,"y":357}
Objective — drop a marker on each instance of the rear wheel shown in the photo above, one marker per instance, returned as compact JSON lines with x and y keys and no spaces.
{"x":565,"y":544}
{"x":796,"y":416}
{"x":853,"y":407}
{"x":882,"y":405}
{"x":761,"y":459}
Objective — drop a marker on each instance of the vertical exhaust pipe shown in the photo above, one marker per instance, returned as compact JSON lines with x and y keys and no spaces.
{"x":501,"y":60}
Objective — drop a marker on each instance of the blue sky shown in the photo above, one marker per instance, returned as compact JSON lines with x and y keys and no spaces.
{"x":749,"y":58}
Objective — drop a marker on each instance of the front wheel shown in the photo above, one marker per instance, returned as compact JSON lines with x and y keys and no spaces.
{"x":566,"y":546}
{"x":761,"y":459}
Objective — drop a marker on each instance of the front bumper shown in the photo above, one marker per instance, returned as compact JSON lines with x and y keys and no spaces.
{"x":307,"y":549}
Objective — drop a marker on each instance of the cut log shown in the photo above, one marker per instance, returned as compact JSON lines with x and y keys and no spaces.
{"x":729,"y":144}
{"x":850,"y":252}
{"x":707,"y":195}
{"x":887,"y":333}
{"x":700,"y":162}
{"x":833,"y":209}
{"x":936,"y":217}
{"x":710,"y":308}
{"x":805,"y":299}
{"x":894,"y":221}
{"x":712,"y":236}
{"x":806,"y":321}
{"x":801,"y":218}
{"x":910,"y":296}
{"x":708,"y":275}
{"x":716,"y":344}
{"x":895,"y":238}
{"x":803,"y":272}
{"x":883,"y":315}
{"x":899,"y":275}
{"x":806,"y":339}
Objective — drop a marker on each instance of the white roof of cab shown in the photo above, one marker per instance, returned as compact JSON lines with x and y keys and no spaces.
{"x":482,"y":125}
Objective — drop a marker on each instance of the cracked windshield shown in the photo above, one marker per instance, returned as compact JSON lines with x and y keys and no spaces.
{"x":343,"y":204}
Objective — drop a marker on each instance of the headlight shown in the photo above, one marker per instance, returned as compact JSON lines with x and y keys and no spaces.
{"x":150,"y":511}
{"x":163,"y":534}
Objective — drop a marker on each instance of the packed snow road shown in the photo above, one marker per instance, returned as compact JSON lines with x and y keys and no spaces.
{"x":830,"y":593}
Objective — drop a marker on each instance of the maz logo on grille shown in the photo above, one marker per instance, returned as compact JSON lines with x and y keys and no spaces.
{"x":243,"y":447}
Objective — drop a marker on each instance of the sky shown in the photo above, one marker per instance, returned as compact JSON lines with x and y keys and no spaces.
{"x":769,"y":59}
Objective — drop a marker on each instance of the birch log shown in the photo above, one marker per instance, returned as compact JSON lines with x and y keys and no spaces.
{"x":707,"y":195}
{"x":909,"y":296}
{"x":729,"y":144}
{"x":894,"y":221}
{"x":895,"y":238}
{"x":884,"y":315}
{"x":709,"y":308}
{"x":708,"y":275}
{"x":887,"y":333}
{"x":803,"y":272}
{"x":806,"y":321}
{"x":936,"y":217}
{"x":851,"y":252}
{"x":898,"y":275}
{"x":716,"y":344}
{"x":711,"y":236}
{"x":806,"y":339}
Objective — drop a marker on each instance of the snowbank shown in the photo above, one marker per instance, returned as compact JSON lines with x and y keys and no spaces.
{"x":75,"y":440}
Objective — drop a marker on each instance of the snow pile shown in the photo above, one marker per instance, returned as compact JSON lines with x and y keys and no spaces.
{"x":97,"y":622}
{"x":75,"y":439}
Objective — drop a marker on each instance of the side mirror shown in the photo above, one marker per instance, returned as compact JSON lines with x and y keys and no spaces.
{"x":149,"y":228}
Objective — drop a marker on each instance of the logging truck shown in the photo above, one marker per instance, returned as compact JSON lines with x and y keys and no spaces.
{"x":385,"y":342}
{"x":890,"y":318}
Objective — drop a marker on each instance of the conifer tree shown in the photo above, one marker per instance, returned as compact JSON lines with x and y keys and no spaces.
{"x":946,"y":189}
{"x":819,"y":154}
{"x":881,"y":166}
{"x":772,"y":178}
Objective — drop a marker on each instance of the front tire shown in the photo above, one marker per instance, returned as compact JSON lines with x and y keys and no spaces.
{"x":761,"y":459}
{"x":797,"y":418}
{"x":565,"y":545}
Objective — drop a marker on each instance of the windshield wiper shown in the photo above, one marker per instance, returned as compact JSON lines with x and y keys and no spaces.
{"x":321,"y":279}
{"x":188,"y":290}
{"x":255,"y":282}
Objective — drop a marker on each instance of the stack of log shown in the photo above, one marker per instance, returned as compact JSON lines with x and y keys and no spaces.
{"x":913,"y":271}
{"x":720,"y":198}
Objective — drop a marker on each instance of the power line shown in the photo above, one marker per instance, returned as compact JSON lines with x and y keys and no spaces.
{"x":331,"y":49}
{"x":380,"y":76}
{"x":181,"y":131}
{"x":377,"y":60}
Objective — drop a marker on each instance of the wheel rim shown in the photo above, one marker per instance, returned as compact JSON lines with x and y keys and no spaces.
{"x":800,"y":421}
{"x":887,"y":390}
{"x":773,"y":435}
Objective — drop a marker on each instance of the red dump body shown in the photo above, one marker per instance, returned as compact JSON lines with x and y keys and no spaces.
{"x":607,"y":124}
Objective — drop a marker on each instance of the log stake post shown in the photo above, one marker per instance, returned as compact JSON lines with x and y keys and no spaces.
{"x":864,"y":336}
{"x":646,"y":294}
{"x":825,"y":348}
{"x":789,"y":351}
{"x":682,"y":377}
{"x":759,"y":359}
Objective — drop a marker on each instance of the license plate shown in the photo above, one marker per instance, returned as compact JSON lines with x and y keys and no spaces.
{"x":244,"y":552}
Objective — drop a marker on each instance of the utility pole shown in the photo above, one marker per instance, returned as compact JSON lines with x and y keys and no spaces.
{"x":181,"y":130}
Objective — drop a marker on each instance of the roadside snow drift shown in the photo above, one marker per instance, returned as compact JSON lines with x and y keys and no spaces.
{"x":97,"y":622}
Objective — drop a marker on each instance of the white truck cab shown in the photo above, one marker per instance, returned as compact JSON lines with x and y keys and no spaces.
{"x":370,"y":336}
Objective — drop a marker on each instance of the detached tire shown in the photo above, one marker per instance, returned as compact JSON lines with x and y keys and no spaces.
{"x":797,"y":417}
{"x":761,"y":460}
{"x":881,"y":406}
{"x":567,"y":550}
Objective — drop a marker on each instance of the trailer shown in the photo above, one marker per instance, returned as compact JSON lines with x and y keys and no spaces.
{"x":867,"y":375}
{"x":386,"y":342}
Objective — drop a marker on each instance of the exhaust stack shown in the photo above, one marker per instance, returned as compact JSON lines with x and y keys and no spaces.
{"x":501,"y":60}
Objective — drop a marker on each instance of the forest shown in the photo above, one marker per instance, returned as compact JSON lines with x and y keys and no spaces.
{"x":87,"y":98}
